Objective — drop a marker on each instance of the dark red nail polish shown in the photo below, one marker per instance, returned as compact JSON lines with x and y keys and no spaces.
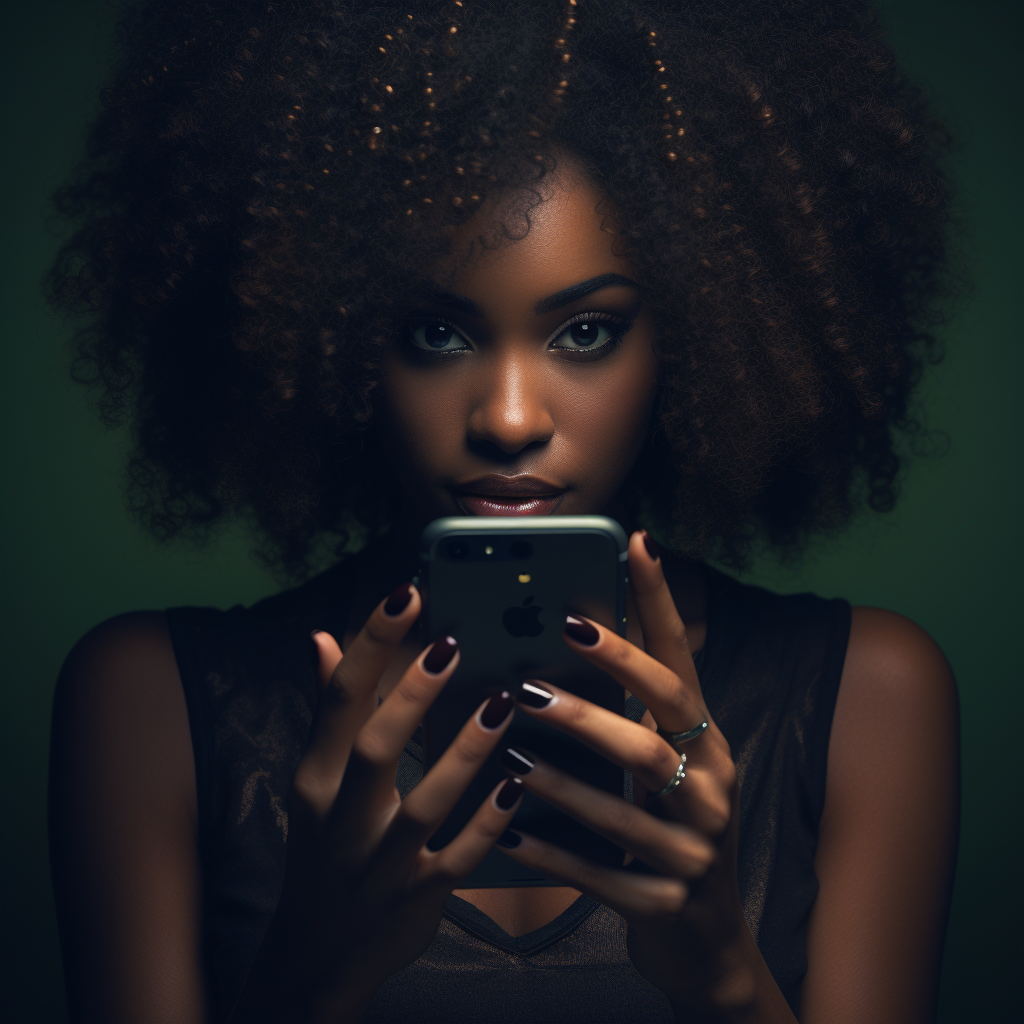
{"x":398,"y":601}
{"x":509,"y":793}
{"x":509,"y":839}
{"x":582,"y":632}
{"x":652,"y":547}
{"x":314,"y":650}
{"x":516,"y":761}
{"x":496,"y":710}
{"x":534,"y":695}
{"x":440,"y":654}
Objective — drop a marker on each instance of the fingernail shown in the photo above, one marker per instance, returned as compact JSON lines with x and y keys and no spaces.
{"x":509,"y":839}
{"x":534,"y":696}
{"x":580,"y":631}
{"x":652,"y":547}
{"x":440,"y":654}
{"x":496,"y":710}
{"x":516,"y":762}
{"x":509,"y":794}
{"x":398,"y":601}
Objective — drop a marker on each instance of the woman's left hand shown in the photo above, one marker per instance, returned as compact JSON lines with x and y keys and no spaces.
{"x":679,"y":894}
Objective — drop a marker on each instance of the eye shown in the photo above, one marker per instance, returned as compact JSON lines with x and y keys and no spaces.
{"x":590,"y":332}
{"x":436,"y":336}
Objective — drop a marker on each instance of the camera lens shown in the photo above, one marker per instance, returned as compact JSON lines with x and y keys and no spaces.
{"x":520,"y":549}
{"x":457,"y":549}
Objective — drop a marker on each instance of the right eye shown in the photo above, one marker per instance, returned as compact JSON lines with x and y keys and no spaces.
{"x":436,"y":336}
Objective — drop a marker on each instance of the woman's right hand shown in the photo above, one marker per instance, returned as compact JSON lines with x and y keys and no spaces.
{"x":363,"y":896}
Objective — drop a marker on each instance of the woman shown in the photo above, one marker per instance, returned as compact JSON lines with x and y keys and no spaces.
{"x":351,"y":269}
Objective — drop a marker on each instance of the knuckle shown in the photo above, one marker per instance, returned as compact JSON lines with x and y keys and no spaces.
{"x":379,"y":630}
{"x":656,"y":758}
{"x":715,"y":814}
{"x":572,"y":710}
{"x":727,"y":775}
{"x":675,"y":632}
{"x":370,"y":748}
{"x":469,"y":749}
{"x":673,"y":897}
{"x":698,"y":853}
{"x":309,"y":787}
{"x":620,"y":653}
{"x":336,"y":694}
{"x":414,"y":690}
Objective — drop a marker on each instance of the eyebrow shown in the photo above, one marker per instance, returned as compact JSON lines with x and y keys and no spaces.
{"x":577,"y":291}
{"x":459,"y":302}
{"x":552,"y":302}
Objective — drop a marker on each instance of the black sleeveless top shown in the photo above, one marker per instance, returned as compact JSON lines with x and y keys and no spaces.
{"x":769,"y":670}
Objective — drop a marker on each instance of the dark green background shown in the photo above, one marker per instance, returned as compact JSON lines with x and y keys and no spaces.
{"x":950,"y":557}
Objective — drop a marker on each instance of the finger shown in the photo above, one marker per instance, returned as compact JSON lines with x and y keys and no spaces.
{"x":328,"y":656}
{"x":487,"y":826}
{"x":388,"y":731}
{"x":701,"y":800}
{"x":664,"y":632}
{"x":630,"y":745}
{"x":631,"y":895}
{"x":378,"y":746}
{"x":666,"y":846}
{"x":349,"y":697}
{"x":676,"y":705}
{"x":431,"y":801}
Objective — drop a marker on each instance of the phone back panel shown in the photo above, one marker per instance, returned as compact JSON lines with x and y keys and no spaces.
{"x":503,"y":588}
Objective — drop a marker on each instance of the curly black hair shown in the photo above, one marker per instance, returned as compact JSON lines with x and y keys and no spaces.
{"x":266,"y":178}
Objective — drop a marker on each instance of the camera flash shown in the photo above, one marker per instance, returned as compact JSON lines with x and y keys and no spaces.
{"x":524,"y":577}
{"x":488,"y":550}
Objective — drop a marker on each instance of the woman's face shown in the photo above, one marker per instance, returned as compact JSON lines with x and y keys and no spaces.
{"x":524,"y":382}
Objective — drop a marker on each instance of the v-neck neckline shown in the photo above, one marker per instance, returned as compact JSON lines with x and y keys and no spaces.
{"x":473,"y":920}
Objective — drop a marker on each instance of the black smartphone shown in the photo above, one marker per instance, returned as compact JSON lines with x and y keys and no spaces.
{"x":503,"y":588}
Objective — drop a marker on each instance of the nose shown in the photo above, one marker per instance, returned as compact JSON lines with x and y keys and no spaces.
{"x":511,"y":412}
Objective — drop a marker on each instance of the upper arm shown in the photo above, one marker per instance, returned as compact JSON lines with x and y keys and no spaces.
{"x":888,"y":837}
{"x":123,"y":828}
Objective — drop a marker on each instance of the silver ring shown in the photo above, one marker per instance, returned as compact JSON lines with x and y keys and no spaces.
{"x":683,"y":737}
{"x":677,"y":778}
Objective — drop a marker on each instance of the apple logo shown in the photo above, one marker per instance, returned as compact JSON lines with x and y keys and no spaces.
{"x":524,"y":620}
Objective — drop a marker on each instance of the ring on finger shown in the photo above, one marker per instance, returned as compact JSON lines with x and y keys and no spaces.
{"x":677,"y":778}
{"x":676,"y":738}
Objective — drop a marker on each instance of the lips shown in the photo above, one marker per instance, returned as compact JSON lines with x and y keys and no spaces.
{"x":508,"y":496}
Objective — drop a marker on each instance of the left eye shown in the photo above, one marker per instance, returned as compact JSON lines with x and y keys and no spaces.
{"x":436,"y":336}
{"x":587,"y":335}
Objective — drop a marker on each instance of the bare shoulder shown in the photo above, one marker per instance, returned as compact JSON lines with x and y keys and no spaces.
{"x":119,"y":714}
{"x":888,"y":832}
{"x":116,"y":647}
{"x":891,"y":658}
{"x":123,"y":812}
{"x":896,"y":712}
{"x":119,"y":698}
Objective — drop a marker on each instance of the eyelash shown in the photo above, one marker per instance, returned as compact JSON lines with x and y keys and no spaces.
{"x":617,"y":324}
{"x":620,"y":326}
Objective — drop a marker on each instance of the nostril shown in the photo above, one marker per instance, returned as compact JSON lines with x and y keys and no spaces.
{"x":502,"y":453}
{"x":510,"y":426}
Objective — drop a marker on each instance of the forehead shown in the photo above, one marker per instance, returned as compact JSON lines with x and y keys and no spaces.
{"x":537,"y":241}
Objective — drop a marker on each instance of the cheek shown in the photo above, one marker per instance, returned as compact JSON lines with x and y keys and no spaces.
{"x":421,"y":420}
{"x":605,"y":416}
